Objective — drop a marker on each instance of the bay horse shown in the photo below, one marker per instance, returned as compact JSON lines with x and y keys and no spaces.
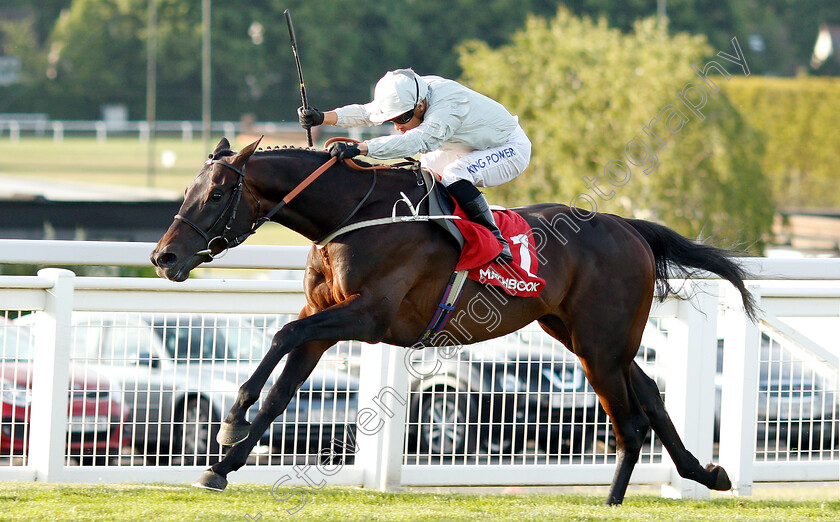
{"x":383,"y":284}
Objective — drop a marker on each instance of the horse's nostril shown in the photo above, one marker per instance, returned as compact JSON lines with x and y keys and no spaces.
{"x":166,"y":260}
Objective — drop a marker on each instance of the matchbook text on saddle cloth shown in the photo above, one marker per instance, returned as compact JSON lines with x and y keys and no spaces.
{"x":481,"y":248}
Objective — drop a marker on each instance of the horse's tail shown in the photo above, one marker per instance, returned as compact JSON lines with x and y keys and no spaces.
{"x":679,"y":257}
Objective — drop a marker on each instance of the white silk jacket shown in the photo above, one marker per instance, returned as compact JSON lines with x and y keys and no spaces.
{"x":457,"y":119}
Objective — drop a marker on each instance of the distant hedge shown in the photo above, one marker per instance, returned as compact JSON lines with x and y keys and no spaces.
{"x":800,"y":118}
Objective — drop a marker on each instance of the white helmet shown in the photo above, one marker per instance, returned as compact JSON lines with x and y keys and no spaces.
{"x":396,"y":93}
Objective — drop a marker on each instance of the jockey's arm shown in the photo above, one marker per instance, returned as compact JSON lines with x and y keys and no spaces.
{"x":331,"y":118}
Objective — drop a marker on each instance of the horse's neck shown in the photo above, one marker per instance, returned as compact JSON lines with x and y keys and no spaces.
{"x":322,"y":206}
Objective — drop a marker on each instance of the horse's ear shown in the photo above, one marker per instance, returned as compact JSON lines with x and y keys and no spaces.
{"x":223,"y":146}
{"x":242,"y":156}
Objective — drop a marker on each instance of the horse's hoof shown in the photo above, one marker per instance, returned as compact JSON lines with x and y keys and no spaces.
{"x":722,"y":482}
{"x":231,"y":435}
{"x":211,"y":480}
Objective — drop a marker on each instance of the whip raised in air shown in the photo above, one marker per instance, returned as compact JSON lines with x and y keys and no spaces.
{"x":299,"y":70}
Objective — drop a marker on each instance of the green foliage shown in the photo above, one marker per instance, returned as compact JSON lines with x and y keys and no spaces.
{"x":97,"y":53}
{"x":102,"y":64}
{"x":583,"y":90}
{"x":96,"y":48}
{"x":798,"y":116}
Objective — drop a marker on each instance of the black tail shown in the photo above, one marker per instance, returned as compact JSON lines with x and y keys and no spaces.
{"x":678,"y":257}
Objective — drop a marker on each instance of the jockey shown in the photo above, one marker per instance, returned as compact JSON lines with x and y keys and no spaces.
{"x":465,"y":138}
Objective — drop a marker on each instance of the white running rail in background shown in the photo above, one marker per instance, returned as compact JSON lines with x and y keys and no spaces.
{"x":776,"y":385}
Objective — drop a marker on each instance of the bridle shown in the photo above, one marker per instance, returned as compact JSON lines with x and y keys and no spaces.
{"x":232,"y":205}
{"x":236,"y":196}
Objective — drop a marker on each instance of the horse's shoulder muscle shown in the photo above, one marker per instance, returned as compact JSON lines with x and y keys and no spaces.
{"x":325,"y":285}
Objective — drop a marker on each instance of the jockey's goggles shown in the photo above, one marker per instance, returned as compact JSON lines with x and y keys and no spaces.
{"x":404,"y":117}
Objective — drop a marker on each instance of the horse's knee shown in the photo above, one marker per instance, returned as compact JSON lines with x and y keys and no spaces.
{"x":248,"y":394}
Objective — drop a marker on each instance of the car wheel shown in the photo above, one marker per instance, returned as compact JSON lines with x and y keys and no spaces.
{"x":443,"y":421}
{"x":195,"y":434}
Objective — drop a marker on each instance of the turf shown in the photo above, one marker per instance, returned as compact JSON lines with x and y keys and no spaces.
{"x":33,"y":501}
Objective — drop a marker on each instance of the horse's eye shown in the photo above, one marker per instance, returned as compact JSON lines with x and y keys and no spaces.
{"x":216,"y":195}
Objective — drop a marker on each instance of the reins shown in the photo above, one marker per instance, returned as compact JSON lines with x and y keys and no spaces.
{"x":233,"y":202}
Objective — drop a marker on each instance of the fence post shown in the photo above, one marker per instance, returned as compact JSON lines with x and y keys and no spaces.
{"x":186,"y":131}
{"x":58,"y":131}
{"x":380,"y":421}
{"x":690,"y":393}
{"x":144,"y":131}
{"x":50,"y":379}
{"x":741,"y":338}
{"x":14,"y":131}
{"x":101,"y":131}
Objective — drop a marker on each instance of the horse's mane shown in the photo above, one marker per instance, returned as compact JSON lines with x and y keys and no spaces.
{"x":285,"y":150}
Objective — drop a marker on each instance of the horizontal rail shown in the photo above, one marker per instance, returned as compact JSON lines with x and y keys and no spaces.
{"x":108,"y":253}
{"x":806,"y":269}
{"x":796,"y":471}
{"x":112,"y":253}
{"x":27,"y":282}
{"x":191,"y":285}
{"x":348,"y":475}
{"x":533,"y":475}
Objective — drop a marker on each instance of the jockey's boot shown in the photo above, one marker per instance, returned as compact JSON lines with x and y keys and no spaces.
{"x":477,"y":209}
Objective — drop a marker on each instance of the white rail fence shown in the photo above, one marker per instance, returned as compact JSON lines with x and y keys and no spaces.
{"x":524,"y":414}
{"x":16,"y":126}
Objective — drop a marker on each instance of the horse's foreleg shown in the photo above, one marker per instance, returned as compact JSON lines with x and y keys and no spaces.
{"x":302,"y":360}
{"x":713,"y":477}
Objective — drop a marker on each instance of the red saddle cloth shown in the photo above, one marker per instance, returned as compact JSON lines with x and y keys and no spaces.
{"x":518,"y":278}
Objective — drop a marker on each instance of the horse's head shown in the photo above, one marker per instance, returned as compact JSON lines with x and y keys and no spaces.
{"x":214,"y":213}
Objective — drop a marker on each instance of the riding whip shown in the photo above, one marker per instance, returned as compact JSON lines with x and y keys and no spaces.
{"x":299,"y":70}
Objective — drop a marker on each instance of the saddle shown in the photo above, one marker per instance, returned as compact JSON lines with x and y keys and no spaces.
{"x":441,"y":204}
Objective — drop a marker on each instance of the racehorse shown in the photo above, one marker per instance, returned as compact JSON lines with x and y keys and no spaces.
{"x":384,"y":283}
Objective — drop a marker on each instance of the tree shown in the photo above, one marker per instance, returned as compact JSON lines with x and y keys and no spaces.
{"x":102,"y":65}
{"x":585,"y":92}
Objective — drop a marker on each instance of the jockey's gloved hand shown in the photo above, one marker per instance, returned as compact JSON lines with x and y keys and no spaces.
{"x":342,"y":150}
{"x":310,"y":117}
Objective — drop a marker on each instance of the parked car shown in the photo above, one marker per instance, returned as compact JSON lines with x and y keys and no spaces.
{"x":496,"y":396}
{"x":490,"y":398}
{"x":794,"y":409}
{"x":96,"y":413}
{"x":181,"y":373}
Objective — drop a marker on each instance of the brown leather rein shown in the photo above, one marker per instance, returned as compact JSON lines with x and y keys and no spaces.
{"x":228,"y":244}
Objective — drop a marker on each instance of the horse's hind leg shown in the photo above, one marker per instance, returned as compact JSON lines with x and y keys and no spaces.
{"x":630,"y":424}
{"x":713,"y":477}
{"x":610,"y":378}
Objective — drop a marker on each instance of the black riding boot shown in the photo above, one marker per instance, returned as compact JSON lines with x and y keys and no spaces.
{"x":478,"y":211}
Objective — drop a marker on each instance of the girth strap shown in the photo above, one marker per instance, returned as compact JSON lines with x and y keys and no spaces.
{"x":451,"y":295}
